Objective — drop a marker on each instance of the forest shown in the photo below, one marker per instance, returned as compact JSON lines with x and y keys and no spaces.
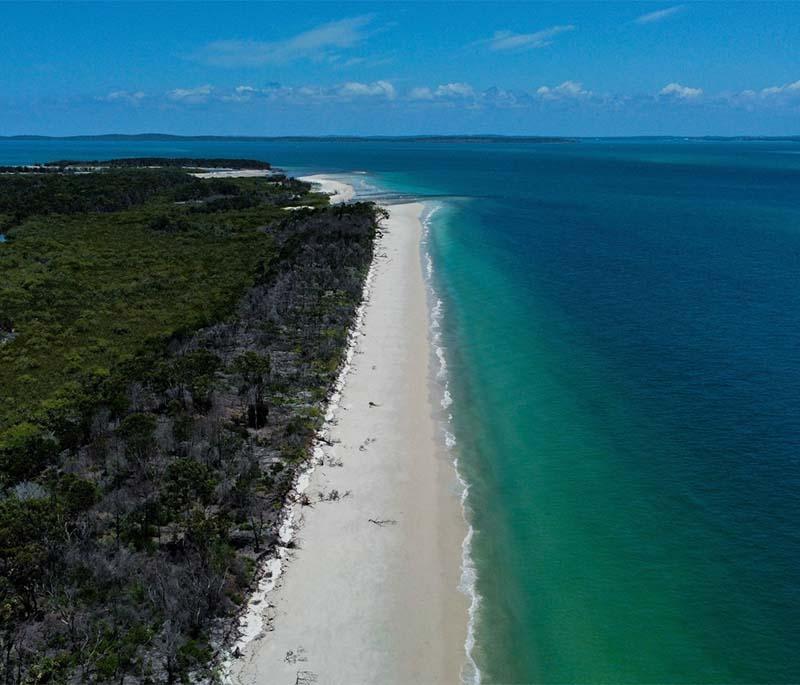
{"x":167,"y":345}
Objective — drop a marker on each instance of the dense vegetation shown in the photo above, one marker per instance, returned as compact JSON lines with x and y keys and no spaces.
{"x":69,"y":165}
{"x":179,"y":162}
{"x":166,"y":344}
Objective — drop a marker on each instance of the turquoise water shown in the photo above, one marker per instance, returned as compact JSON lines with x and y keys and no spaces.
{"x":621,"y":324}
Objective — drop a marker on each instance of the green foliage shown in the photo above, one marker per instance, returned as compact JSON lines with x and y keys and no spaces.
{"x":177,"y":162}
{"x":195,"y":371}
{"x":253,"y":367}
{"x":194,"y":652}
{"x":135,"y":498}
{"x":23,"y":195}
{"x":25,"y":449}
{"x":74,"y":494}
{"x":93,"y":291}
{"x":187,"y":481}
{"x":137,"y":430}
{"x":169,"y":223}
{"x":27,"y":530}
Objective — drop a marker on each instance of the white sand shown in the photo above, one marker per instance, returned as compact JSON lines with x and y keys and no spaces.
{"x":233,"y":173}
{"x":338,"y":191}
{"x":359,"y":602}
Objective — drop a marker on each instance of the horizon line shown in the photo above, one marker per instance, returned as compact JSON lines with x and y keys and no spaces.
{"x":389,"y":137}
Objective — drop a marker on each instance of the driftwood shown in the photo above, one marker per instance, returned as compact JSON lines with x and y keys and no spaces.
{"x":334,"y":495}
{"x":383,"y":522}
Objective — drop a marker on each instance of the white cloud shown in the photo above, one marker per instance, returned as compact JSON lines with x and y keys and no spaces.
{"x":305,"y":94}
{"x":500,"y":97}
{"x":445,"y":91}
{"x":680,"y":91}
{"x":457,"y":90}
{"x":318,"y":43}
{"x":658,"y":15}
{"x":786,"y":88}
{"x":569,"y":90}
{"x":787,"y":94}
{"x":377,"y":88}
{"x":240,"y":94}
{"x":514,"y":42}
{"x":457,"y":94}
{"x":421,"y":93}
{"x":191,"y":96}
{"x":124,"y":96}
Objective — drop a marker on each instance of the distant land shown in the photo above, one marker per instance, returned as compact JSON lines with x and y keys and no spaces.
{"x":475,"y":138}
{"x":431,"y":138}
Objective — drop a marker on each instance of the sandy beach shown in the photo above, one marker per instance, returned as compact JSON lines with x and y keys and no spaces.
{"x":338,"y":191}
{"x":369,"y":593}
{"x":233,"y":173}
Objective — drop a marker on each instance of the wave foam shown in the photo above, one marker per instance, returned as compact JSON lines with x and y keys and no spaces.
{"x":447,"y":400}
{"x":470,"y":673}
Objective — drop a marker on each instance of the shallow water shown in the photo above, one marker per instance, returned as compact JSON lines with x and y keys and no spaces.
{"x":620,"y":323}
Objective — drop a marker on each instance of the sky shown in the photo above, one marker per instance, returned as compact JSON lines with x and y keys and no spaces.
{"x":380,"y":68}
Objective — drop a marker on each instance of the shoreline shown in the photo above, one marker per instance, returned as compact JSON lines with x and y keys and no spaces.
{"x":337,"y":191}
{"x":372,"y":589}
{"x":440,"y":382}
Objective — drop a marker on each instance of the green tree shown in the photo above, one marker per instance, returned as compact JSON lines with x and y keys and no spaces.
{"x":74,"y":494}
{"x":28,"y":531}
{"x":255,"y":371}
{"x":138,"y":433}
{"x":25,"y":449}
{"x":187,"y":483}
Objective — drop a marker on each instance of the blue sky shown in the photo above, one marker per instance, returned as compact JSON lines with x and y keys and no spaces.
{"x":599,"y":68}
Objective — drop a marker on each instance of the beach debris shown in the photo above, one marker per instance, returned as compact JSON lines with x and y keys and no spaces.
{"x":374,"y":404}
{"x":295,"y":655}
{"x":363,"y":446}
{"x":383,"y":522}
{"x":334,"y":495}
{"x":305,"y":678}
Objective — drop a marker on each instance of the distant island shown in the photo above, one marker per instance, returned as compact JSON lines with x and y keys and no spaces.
{"x":450,"y":138}
{"x":349,"y":139}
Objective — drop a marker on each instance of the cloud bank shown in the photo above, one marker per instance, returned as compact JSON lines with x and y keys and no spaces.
{"x":385,"y":92}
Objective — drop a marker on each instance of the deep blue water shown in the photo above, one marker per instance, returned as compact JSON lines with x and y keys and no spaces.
{"x":622,"y":322}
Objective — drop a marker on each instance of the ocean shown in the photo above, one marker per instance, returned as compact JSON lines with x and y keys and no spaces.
{"x":620,"y":321}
